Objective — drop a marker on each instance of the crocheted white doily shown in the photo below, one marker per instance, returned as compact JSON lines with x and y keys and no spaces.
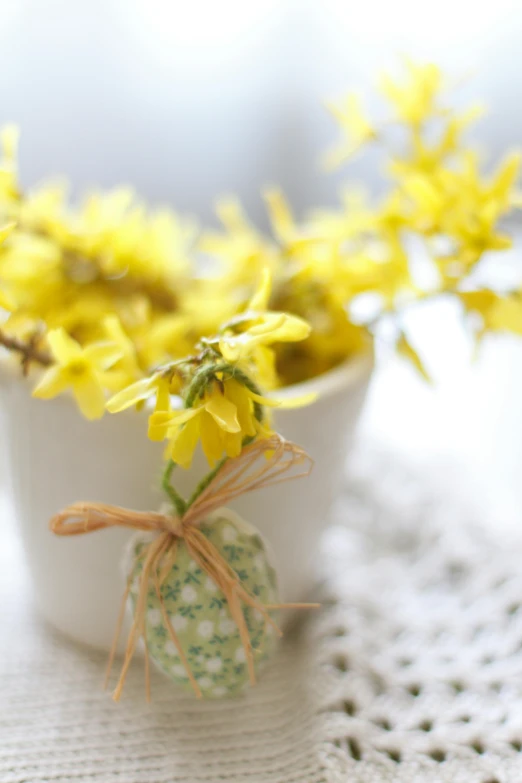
{"x":412,"y":671}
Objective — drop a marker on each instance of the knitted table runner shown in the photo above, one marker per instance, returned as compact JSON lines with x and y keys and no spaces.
{"x":412,"y":670}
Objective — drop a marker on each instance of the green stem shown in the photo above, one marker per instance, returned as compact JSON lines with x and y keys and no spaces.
{"x":177,"y":501}
{"x":205,"y":374}
{"x":251,"y":385}
{"x":199,"y":383}
{"x":205,"y":481}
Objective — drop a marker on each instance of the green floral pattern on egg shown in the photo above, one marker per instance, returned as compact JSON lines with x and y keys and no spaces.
{"x":199,"y":613}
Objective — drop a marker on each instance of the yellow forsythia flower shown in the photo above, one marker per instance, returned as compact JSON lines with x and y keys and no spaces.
{"x":171,"y":304}
{"x":416,"y":99}
{"x":241,"y":250}
{"x":496,"y":313}
{"x":221,"y":419}
{"x":356,"y":127}
{"x":131,"y":396}
{"x":6,"y":302}
{"x":406,"y":349}
{"x":9,"y":167}
{"x":126,"y":369}
{"x":281,"y":217}
{"x":259,"y":327}
{"x":81,"y":369}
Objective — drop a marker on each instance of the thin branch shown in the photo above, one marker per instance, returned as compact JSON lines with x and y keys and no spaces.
{"x":177,"y":501}
{"x":126,"y":285}
{"x":28,"y":351}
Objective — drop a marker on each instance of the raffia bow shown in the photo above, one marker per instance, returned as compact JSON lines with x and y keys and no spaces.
{"x":245,"y":473}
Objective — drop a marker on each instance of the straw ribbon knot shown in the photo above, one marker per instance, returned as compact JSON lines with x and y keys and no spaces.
{"x":261,"y":464}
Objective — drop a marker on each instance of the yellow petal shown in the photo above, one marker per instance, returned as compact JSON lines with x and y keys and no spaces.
{"x":424,"y":193}
{"x":283,"y":402}
{"x":54,"y":382}
{"x":265,"y":325}
{"x":161,"y":422}
{"x":230,"y":212}
{"x":63,"y":347}
{"x":506,"y":315}
{"x":290,"y":328}
{"x":281,"y":216}
{"x":6,"y":303}
{"x":103,"y":354}
{"x":115,"y":331}
{"x":89,"y":395}
{"x":222,"y":411}
{"x":263,"y":430}
{"x":270,"y":402}
{"x":126,"y":398}
{"x":233,"y":443}
{"x":116,"y":334}
{"x":239,"y":395}
{"x":9,"y":136}
{"x":405,"y":349}
{"x":506,"y":177}
{"x":6,"y":230}
{"x":183,"y":446}
{"x":264,"y":360}
{"x":267,"y":328}
{"x":163,"y":395}
{"x":232,"y":347}
{"x":211,"y":439}
{"x":355,"y":126}
{"x":259,"y":301}
{"x":297,"y":402}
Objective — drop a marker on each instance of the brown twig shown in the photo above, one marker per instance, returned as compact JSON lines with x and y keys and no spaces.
{"x":158,"y":294}
{"x":28,"y":350}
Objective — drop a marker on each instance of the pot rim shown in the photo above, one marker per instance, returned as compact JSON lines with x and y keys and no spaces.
{"x":343,"y":376}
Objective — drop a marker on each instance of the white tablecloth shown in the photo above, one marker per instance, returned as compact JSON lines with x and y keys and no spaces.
{"x":412,"y":671}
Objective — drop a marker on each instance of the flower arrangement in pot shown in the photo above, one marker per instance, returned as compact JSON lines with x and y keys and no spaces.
{"x":125,"y":318}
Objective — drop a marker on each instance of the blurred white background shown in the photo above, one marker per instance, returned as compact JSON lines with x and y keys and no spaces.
{"x":189,"y":100}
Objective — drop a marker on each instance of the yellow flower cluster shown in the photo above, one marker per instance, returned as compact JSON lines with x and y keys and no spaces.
{"x":223,"y":406}
{"x":140,"y":306}
{"x":438,"y":200}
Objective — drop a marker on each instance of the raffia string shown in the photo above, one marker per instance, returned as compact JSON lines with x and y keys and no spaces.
{"x":249,"y":471}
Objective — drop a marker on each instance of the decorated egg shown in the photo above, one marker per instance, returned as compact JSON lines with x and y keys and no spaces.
{"x":199,"y":613}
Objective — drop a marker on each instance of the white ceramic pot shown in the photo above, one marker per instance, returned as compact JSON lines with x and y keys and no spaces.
{"x":57,"y":457}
